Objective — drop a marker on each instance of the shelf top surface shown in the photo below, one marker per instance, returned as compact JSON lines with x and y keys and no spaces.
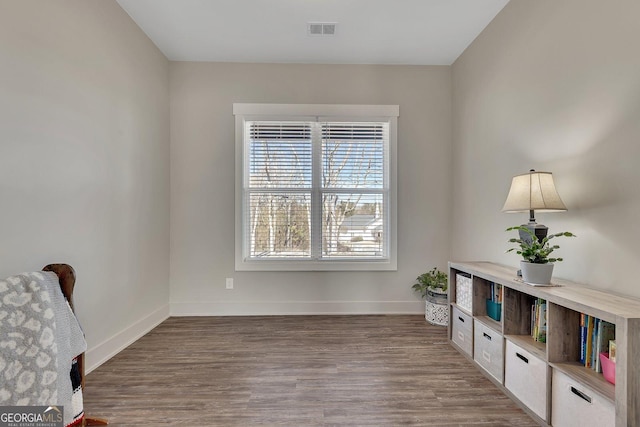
{"x":573,"y":295}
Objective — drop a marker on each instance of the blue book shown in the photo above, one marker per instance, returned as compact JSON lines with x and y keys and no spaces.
{"x":583,"y":337}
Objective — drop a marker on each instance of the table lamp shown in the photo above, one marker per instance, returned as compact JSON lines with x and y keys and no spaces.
{"x":533,"y":191}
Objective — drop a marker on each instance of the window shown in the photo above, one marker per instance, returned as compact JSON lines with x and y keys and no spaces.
{"x":315,"y":187}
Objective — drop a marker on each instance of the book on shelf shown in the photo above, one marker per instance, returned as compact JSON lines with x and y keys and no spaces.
{"x":539,"y":320}
{"x":596,"y":336}
{"x":612,"y":350}
{"x":495,"y":292}
{"x":597,"y":346}
{"x":594,"y":343}
{"x":583,"y":337}
{"x":542,"y":321}
{"x":589,"y":344}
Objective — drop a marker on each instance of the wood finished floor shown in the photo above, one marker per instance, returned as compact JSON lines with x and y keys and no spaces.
{"x":296,"y":371}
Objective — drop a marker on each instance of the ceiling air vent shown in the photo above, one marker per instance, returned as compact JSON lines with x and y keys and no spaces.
{"x":321,"y":28}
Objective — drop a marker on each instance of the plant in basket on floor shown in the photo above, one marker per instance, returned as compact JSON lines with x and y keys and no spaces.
{"x":432,"y":287}
{"x":537,"y":262}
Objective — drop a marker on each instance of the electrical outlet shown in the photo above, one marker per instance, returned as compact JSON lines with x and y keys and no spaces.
{"x":229,"y":282}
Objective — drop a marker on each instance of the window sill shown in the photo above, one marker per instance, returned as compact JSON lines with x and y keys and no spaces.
{"x":347,"y":265}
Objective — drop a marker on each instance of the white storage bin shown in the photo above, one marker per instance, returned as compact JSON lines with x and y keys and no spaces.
{"x":526,"y":377}
{"x":462,"y":331}
{"x":488,"y":349}
{"x":464,"y":293}
{"x":573,"y":404}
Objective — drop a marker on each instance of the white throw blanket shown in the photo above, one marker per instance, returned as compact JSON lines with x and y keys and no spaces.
{"x":39,"y":337}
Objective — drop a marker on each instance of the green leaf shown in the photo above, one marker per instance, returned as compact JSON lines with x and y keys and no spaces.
{"x":533,"y":250}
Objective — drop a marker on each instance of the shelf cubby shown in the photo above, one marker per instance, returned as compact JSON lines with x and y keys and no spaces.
{"x":565,"y":348}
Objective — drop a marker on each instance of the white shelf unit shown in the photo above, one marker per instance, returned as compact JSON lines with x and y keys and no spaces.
{"x":547,"y":379}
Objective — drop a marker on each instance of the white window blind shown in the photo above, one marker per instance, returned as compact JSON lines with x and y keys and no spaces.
{"x":354,"y":194}
{"x":278,"y":195}
{"x":315,"y":191}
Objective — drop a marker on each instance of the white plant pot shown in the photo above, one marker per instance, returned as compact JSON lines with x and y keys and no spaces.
{"x":539,"y":274}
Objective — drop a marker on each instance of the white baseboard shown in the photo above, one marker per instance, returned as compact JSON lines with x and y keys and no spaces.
{"x":99,"y":354}
{"x":262,"y":308}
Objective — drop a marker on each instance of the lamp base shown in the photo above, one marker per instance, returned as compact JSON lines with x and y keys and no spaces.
{"x":539,"y":230}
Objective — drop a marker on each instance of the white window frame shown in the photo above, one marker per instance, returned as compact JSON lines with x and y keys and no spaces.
{"x":249,"y":112}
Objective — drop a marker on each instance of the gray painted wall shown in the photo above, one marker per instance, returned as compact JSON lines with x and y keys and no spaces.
{"x":553,"y":85}
{"x":202,"y":185}
{"x":84,"y":159}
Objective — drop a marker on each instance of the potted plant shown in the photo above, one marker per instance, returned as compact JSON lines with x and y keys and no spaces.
{"x":537,"y":262}
{"x":432,"y":287}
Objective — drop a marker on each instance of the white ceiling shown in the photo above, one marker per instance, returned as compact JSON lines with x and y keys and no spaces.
{"x":424,"y":32}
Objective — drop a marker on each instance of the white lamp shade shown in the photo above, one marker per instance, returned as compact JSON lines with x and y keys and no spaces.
{"x":533,"y":191}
